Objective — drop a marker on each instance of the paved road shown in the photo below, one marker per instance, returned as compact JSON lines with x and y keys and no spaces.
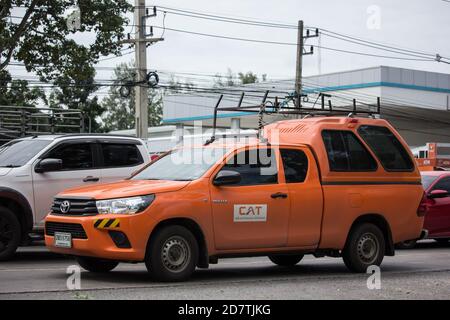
{"x":421,"y":273}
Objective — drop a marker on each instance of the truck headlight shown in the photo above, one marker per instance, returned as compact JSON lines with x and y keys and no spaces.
{"x":124,"y":205}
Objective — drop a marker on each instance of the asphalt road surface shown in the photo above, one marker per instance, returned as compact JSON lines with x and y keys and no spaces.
{"x":420,"y":273}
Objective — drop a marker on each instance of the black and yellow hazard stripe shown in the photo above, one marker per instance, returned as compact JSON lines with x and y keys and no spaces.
{"x":107,"y":223}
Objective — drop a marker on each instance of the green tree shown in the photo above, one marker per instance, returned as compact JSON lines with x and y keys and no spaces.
{"x":119,"y":111}
{"x":43,"y":40}
{"x":18,"y":92}
{"x":248,"y":77}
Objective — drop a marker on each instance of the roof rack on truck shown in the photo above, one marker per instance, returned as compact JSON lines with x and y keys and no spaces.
{"x":274,"y":105}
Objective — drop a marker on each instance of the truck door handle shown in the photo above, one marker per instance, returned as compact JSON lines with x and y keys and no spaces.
{"x":91,"y":179}
{"x":279,"y":195}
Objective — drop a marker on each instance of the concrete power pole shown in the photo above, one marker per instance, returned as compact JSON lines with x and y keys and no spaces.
{"x":141,"y":89}
{"x":300,"y":53}
{"x":140,"y":41}
{"x":298,"y":75}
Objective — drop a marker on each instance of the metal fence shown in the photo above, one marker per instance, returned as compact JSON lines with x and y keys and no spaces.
{"x":18,"y":122}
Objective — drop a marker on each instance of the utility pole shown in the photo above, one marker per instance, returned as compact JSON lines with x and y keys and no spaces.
{"x":298,"y":75}
{"x":300,"y":53}
{"x":141,"y":90}
{"x":141,"y":41}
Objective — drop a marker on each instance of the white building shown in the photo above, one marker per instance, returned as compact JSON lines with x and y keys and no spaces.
{"x":416,"y":102}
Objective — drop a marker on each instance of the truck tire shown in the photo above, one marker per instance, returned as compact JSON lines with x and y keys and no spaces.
{"x":406,"y":244}
{"x":10,"y":233}
{"x":285,"y":260}
{"x":365,"y":247}
{"x":96,"y":265}
{"x":172,"y":254}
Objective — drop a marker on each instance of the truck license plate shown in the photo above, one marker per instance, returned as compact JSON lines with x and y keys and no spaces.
{"x":63,"y":240}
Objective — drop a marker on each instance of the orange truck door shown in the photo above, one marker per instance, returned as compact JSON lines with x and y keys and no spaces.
{"x":305,"y":195}
{"x":254,"y":213}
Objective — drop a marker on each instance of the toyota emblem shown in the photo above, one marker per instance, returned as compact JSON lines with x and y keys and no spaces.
{"x":65,"y":206}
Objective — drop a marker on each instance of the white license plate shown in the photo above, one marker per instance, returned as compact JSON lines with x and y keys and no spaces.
{"x":63,"y":240}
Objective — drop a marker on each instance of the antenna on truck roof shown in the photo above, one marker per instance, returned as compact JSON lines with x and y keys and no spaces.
{"x":268,"y":107}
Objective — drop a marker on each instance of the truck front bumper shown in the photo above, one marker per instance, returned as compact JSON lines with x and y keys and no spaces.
{"x":102,"y":236}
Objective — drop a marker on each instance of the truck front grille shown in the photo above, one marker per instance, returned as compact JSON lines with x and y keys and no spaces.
{"x":77,"y":207}
{"x":75,"y":229}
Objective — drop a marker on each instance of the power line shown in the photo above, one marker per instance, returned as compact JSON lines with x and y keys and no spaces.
{"x":290,"y":44}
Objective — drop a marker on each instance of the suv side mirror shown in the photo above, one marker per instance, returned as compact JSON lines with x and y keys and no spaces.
{"x":227,"y":177}
{"x":438,"y":194}
{"x":48,"y":165}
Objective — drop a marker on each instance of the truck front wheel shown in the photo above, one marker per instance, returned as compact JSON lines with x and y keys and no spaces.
{"x":96,"y":265}
{"x":285,"y":260}
{"x":172,"y":254}
{"x":10,"y":233}
{"x":365,"y":247}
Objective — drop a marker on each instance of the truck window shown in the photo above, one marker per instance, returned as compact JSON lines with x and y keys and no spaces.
{"x":74,"y":156}
{"x":120,"y":155}
{"x":18,"y":152}
{"x":346,"y":152}
{"x":295,"y":164}
{"x":443,"y":184}
{"x":387,"y":148}
{"x":256,"y":166}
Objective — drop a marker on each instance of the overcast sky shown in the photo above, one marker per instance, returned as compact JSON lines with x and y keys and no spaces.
{"x":414,"y":24}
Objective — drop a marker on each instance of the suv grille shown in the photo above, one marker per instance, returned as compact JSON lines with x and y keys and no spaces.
{"x":75,"y":229}
{"x":77,"y":207}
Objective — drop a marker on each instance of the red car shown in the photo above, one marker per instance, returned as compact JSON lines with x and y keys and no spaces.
{"x":437,"y":220}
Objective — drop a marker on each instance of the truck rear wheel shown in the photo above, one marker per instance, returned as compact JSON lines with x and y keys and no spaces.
{"x":10,"y":233}
{"x":96,"y":265}
{"x":286,"y":260}
{"x":172,"y":254}
{"x":365,"y":247}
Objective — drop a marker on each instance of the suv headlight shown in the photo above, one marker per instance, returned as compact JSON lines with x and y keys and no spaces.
{"x":124,"y":205}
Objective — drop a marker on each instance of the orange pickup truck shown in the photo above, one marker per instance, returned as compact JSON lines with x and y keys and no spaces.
{"x":328,"y":186}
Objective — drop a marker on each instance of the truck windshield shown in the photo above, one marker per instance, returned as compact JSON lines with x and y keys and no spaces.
{"x":18,"y":152}
{"x":182,"y":164}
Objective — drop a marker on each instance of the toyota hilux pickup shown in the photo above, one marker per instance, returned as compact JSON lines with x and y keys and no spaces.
{"x":328,"y":186}
{"x":34,"y":169}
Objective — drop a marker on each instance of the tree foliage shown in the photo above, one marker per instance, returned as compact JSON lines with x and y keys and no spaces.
{"x":230,"y":79}
{"x":40,"y":37}
{"x":17,"y":92}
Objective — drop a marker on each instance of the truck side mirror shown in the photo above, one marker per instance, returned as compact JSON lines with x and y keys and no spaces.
{"x":49,"y":164}
{"x":227,"y":177}
{"x":438,"y":194}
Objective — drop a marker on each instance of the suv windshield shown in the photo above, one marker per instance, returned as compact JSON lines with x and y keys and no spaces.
{"x":18,"y":152}
{"x":182,"y":164}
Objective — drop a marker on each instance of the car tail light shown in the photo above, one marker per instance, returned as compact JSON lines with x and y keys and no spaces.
{"x":423,"y":206}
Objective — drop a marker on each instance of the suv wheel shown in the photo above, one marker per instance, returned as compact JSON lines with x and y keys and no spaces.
{"x":365,"y":247}
{"x":96,"y":265}
{"x":286,"y":260}
{"x":10,"y":233}
{"x":172,"y":254}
